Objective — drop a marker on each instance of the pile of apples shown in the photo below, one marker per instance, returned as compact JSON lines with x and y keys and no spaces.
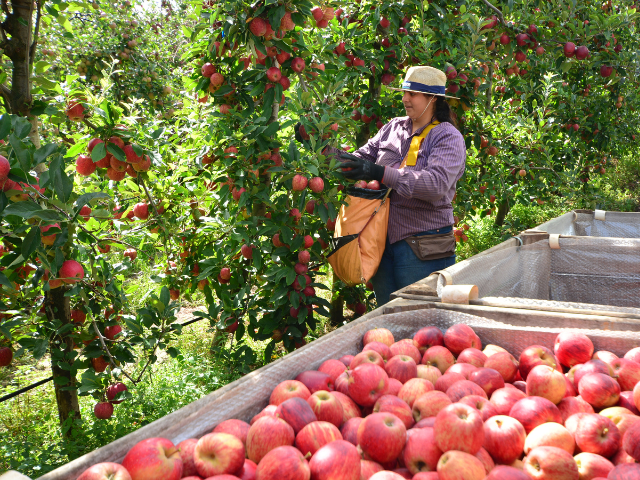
{"x":434,"y":407}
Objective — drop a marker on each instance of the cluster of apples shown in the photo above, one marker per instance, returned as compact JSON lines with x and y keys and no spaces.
{"x":116,"y":170}
{"x":432,"y":407}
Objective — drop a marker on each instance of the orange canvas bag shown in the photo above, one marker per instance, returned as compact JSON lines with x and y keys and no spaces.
{"x":360,"y":235}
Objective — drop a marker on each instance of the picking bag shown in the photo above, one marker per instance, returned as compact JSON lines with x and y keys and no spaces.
{"x":360,"y":235}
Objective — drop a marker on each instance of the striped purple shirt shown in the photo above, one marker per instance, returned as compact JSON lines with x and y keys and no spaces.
{"x":422,"y":194}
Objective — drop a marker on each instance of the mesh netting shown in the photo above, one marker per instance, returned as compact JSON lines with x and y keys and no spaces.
{"x":247,"y":396}
{"x":602,"y":271}
{"x":582,"y":223}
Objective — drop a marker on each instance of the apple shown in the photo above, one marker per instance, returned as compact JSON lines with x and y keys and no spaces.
{"x":379,"y":347}
{"x":597,"y":434}
{"x":622,"y":457}
{"x":153,"y":458}
{"x":342,"y":383}
{"x":421,"y":453}
{"x":592,"y":366}
{"x":459,"y":427}
{"x":337,"y":460}
{"x":605,"y":356}
{"x":349,"y":430}
{"x":381,"y":437}
{"x":445,"y":381}
{"x":473,"y":356}
{"x":571,"y":348}
{"x":591,"y":466}
{"x":550,"y":463}
{"x":218,"y":454}
{"x":505,"y":398}
{"x":633,"y":355}
{"x":570,"y":405}
{"x":367,"y":383}
{"x":268,"y":411}
{"x":315,"y":380}
{"x":382,"y":335}
{"x":599,"y":390}
{"x":288,"y":389}
{"x":534,"y":411}
{"x":385,"y":474}
{"x":346,"y":359}
{"x":621,"y":420}
{"x":483,"y":405}
{"x":490,"y":350}
{"x":462,"y":388}
{"x":369,"y":468}
{"x":428,"y":337}
{"x":488,"y":379}
{"x":406,"y":347}
{"x":316,"y":435}
{"x":428,"y":372}
{"x":425,"y":423}
{"x":456,"y":465}
{"x":414,"y":388}
{"x":627,"y":401}
{"x":401,"y":367}
{"x":186,"y":448}
{"x":349,"y":407}
{"x":369,"y":356}
{"x":505,"y":472}
{"x":396,"y":406}
{"x":327,"y":408}
{"x":283,"y":463}
{"x":486,"y":460}
{"x":114,"y":390}
{"x":105,"y":471}
{"x":234,"y":427}
{"x":465,"y":369}
{"x":429,"y":404}
{"x":438,"y":356}
{"x":461,"y":336}
{"x":504,"y":438}
{"x":296,"y":412}
{"x":266,"y":434}
{"x":546,"y":382}
{"x":533,"y":356}
{"x":550,"y":435}
{"x":631,"y":441}
{"x":248,"y":471}
{"x":71,"y":271}
{"x":627,"y":373}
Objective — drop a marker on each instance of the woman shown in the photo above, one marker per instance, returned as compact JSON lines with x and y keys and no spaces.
{"x":422,"y":174}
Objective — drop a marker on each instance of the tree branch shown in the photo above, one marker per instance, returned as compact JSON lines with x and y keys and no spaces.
{"x":32,"y":50}
{"x":498,"y":12}
{"x":104,"y":347}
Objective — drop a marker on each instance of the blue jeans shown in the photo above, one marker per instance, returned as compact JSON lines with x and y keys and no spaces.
{"x":400,"y":267}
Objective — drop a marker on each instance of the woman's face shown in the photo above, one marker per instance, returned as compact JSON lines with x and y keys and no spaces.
{"x":415,"y":103}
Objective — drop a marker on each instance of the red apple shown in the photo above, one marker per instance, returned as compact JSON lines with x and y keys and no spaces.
{"x":382,"y":335}
{"x":385,"y":474}
{"x":396,"y":406}
{"x":462,"y":388}
{"x":571,"y":348}
{"x":429,"y":372}
{"x":428,"y":337}
{"x":367,"y":383}
{"x":505,"y":398}
{"x":633,"y":355}
{"x":605,"y":356}
{"x":266,"y":434}
{"x":406,"y":347}
{"x":429,"y":404}
{"x":316,"y":435}
{"x":504,"y":438}
{"x":342,"y":383}
{"x":346,"y":359}
{"x":626,"y":401}
{"x":599,"y":390}
{"x":461,"y":336}
{"x":338,"y":460}
{"x":401,"y":367}
{"x":534,"y":411}
{"x":459,"y":427}
{"x":627,"y":471}
{"x":550,"y":463}
{"x":597,"y":434}
{"x":488,"y":379}
{"x":105,"y":471}
{"x":248,"y":471}
{"x":421,"y":453}
{"x":621,"y":420}
{"x":288,"y":389}
{"x":483,"y":405}
{"x":380,"y":348}
{"x":438,"y":356}
{"x":369,"y":468}
{"x":622,"y":457}
{"x":218,"y":454}
{"x":186,"y":448}
{"x":369,"y":356}
{"x":535,"y":355}
{"x":627,"y":373}
{"x":237,"y":428}
{"x":426,"y":476}
{"x":296,"y":412}
{"x":473,"y":356}
{"x":414,"y":388}
{"x":464,"y":369}
{"x":269,"y":410}
{"x":326,"y":407}
{"x":504,"y":472}
{"x":570,"y":405}
{"x":486,"y":460}
{"x":550,"y":434}
{"x":349,"y":407}
{"x":153,"y":458}
{"x":592,"y":366}
{"x":546,"y":382}
{"x":591,"y":466}
{"x":456,"y":465}
{"x":349,"y":430}
{"x":333,"y":368}
{"x":445,"y":381}
{"x":315,"y":380}
{"x":381,"y":437}
{"x":283,"y":463}
{"x":631,"y":441}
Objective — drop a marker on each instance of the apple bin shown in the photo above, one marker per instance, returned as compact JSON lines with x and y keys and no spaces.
{"x":247,"y":396}
{"x":590,"y":223}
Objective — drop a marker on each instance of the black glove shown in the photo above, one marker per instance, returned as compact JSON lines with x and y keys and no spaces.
{"x":361,"y":169}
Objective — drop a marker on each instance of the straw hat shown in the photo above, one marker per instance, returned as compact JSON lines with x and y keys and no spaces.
{"x":425,"y":80}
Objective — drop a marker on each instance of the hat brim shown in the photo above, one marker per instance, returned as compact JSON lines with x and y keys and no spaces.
{"x":426,"y":93}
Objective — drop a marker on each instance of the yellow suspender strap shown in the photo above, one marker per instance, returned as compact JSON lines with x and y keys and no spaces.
{"x":416,"y":142}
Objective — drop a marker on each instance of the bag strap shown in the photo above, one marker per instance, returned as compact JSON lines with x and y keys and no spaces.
{"x":416,"y":143}
{"x":384,"y":199}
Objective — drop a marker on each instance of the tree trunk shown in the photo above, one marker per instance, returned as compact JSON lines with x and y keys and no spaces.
{"x":503,"y":209}
{"x":58,"y":309}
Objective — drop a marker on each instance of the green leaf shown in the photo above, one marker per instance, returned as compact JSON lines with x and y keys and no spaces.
{"x":165,"y":298}
{"x":31,"y":242}
{"x":29,"y":209}
{"x":257,"y":258}
{"x":86,"y":198}
{"x":116,"y":151}
{"x":5,"y":281}
{"x":22,"y":152}
{"x":42,"y":153}
{"x":62,"y":184}
{"x":40,"y":348}
{"x":5,"y":126}
{"x":98,"y":152}
{"x":21,"y":127}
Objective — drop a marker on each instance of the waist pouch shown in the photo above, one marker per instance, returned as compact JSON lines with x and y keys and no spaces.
{"x":433,"y":247}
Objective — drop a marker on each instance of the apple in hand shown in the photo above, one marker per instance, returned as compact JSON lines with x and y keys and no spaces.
{"x":459,"y":427}
{"x":153,"y":458}
{"x":504,"y":438}
{"x":337,"y":460}
{"x":550,"y":463}
{"x":218,"y":454}
{"x":105,"y":471}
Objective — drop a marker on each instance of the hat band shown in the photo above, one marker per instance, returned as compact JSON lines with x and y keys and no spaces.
{"x":421,"y":87}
